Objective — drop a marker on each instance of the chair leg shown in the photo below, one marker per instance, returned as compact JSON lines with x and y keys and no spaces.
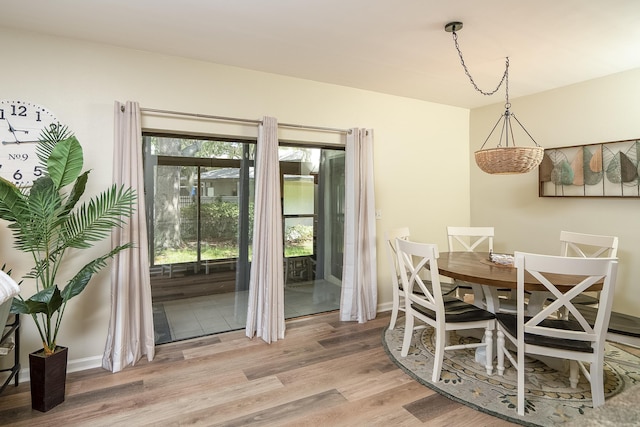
{"x":488,"y":337}
{"x":478,"y":295}
{"x":597,"y":382}
{"x":439,"y":355}
{"x":408,"y":334}
{"x":520,"y":369}
{"x":500,"y":345}
{"x":394,"y":312}
{"x":574,"y":373}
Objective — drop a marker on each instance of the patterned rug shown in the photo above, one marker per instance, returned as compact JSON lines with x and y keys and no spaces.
{"x":550,"y":401}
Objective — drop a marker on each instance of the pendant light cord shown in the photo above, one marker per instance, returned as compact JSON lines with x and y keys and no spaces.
{"x":505,"y":76}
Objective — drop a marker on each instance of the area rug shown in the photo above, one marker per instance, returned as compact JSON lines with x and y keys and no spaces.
{"x":550,"y":401}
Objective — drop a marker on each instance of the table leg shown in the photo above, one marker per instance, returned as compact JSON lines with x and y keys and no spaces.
{"x":492,"y":298}
{"x":536,"y":302}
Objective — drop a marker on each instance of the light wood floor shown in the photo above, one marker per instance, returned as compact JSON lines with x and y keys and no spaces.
{"x":324,"y":373}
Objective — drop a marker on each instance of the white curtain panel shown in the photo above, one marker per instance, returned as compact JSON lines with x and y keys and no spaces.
{"x":265,"y":312}
{"x":359,"y":276}
{"x":131,"y":334}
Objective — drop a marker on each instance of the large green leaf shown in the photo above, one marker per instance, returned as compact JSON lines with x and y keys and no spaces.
{"x":12,"y":201}
{"x":77,"y":284}
{"x":47,"y":301}
{"x":76,"y":192}
{"x":65,"y":162}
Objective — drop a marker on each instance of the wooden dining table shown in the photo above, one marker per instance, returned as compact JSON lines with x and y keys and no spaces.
{"x":476,"y":267}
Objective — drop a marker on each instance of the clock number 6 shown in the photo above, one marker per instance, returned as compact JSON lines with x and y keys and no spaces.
{"x":17,"y":176}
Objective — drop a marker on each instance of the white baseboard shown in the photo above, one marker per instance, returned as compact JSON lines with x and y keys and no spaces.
{"x":387,"y":306}
{"x":72,"y":366}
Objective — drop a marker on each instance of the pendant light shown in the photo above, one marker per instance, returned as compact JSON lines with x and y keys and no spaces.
{"x":506,"y":157}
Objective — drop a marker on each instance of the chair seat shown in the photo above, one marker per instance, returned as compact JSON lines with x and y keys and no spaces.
{"x":457,"y":311}
{"x":583,"y":299}
{"x":509,"y":323}
{"x":446,"y":288}
{"x":619,"y":323}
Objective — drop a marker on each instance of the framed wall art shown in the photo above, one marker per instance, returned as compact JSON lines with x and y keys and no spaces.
{"x":609,"y":169}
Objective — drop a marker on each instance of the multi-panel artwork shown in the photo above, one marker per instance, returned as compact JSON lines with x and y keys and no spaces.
{"x":598,"y":170}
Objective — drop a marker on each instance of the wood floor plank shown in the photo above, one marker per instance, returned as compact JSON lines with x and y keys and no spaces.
{"x":290,"y":410}
{"x":349,"y":346}
{"x":375,"y":385}
{"x":370,"y":411}
{"x":308,"y":382}
{"x":243,"y":343}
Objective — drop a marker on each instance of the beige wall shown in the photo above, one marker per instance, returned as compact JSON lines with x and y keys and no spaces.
{"x":601,"y":110}
{"x":421,"y":180}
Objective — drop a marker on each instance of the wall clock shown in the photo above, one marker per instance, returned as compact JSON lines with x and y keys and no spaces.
{"x":21,"y":124}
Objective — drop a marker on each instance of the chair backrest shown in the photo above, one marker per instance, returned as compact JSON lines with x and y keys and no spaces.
{"x":588,"y":271}
{"x":413,"y":258}
{"x":588,"y":245}
{"x":390,"y":240}
{"x":470,"y":238}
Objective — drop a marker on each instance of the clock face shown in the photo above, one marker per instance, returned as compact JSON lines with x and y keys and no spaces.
{"x":21,"y":124}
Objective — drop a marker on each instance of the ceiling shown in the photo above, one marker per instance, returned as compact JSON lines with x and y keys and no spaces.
{"x":396,"y":47}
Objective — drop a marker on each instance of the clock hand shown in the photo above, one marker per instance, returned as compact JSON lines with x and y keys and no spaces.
{"x":13,"y":131}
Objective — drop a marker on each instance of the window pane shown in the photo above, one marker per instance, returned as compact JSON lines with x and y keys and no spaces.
{"x":298,"y":236}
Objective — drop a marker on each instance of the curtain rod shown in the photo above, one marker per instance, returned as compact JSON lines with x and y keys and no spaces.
{"x":318,"y":128}
{"x":234,"y":119}
{"x":200,"y":116}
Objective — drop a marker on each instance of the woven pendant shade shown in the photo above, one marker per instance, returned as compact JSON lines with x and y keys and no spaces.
{"x":509,"y":160}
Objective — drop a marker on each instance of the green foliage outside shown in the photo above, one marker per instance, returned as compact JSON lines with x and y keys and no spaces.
{"x":188,"y":254}
{"x":298,"y":235}
{"x":227,"y":250}
{"x":219,"y":222}
{"x":219,"y":235}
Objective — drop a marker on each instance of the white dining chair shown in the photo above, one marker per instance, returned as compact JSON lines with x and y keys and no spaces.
{"x":431,"y":307}
{"x":472,"y":239}
{"x":582,"y":245}
{"x":588,"y":245}
{"x":396,"y":283}
{"x":546,"y":335}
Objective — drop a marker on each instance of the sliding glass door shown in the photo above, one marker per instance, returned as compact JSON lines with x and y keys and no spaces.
{"x":312,"y":181}
{"x":199,"y":200}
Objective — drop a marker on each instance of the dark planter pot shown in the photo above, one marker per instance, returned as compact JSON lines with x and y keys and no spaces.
{"x":48,"y":378}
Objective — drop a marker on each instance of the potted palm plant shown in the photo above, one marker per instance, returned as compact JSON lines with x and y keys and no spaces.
{"x":49,"y":224}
